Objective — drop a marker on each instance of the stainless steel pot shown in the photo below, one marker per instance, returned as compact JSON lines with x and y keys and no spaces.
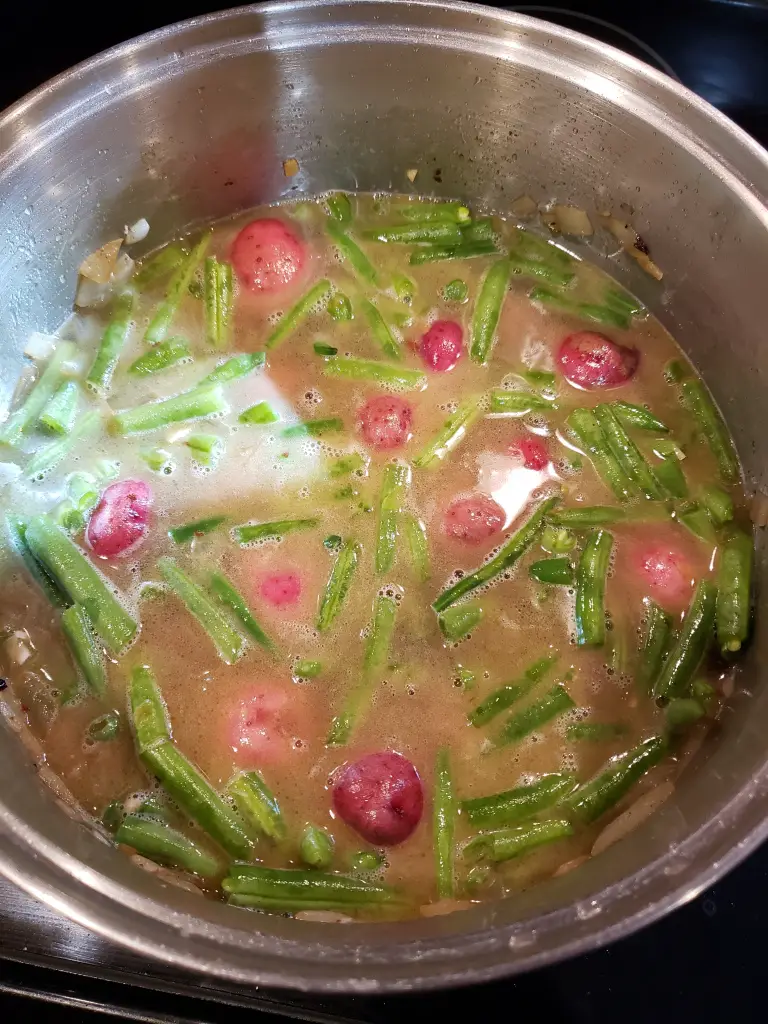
{"x":193,"y":122}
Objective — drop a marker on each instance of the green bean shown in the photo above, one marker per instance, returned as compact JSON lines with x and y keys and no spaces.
{"x":589,"y":515}
{"x":507,"y":695}
{"x":443,"y":825}
{"x":592,"y":799}
{"x":584,"y":310}
{"x":627,"y":454}
{"x":404,"y":288}
{"x":460,"y":620}
{"x":365,"y":861}
{"x":260,"y":413}
{"x":227,"y":641}
{"x":201,"y":402}
{"x":557,"y":540}
{"x":346,"y":465}
{"x":339,"y":307}
{"x":86,"y":650}
{"x":588,"y":432}
{"x":315,"y":428}
{"x":104,"y":728}
{"x":463,"y":251}
{"x":485,"y":317}
{"x":22,"y":418}
{"x":691,"y":644}
{"x":718,"y":504}
{"x":555,"y":702}
{"x":197,"y":798}
{"x":590,"y":589}
{"x":435,"y":232}
{"x":339,"y":207}
{"x":167,"y":353}
{"x":699,"y":403}
{"x":518,"y":402}
{"x":61,"y":409}
{"x":250,"y":532}
{"x":47,"y":458}
{"x":421,"y":210}
{"x":149,"y":714}
{"x":352,"y":253}
{"x":306,"y":668}
{"x":623,"y":302}
{"x":177,"y":289}
{"x":376,"y":652}
{"x":158,"y":460}
{"x":522,"y":267}
{"x":669,"y":472}
{"x":161,"y":264}
{"x":558,"y":571}
{"x":515,"y":805}
{"x":456,"y":291}
{"x":112,"y":343}
{"x":734,"y":586}
{"x":638,"y":416}
{"x":512,"y":842}
{"x":594,"y":732}
{"x":536,"y":248}
{"x":16,"y":532}
{"x":234,"y":368}
{"x":337,"y":587}
{"x":512,"y":550}
{"x":696,"y":519}
{"x":656,"y":644}
{"x":418,"y":548}
{"x":682,"y":712}
{"x":385,"y":374}
{"x":381,"y":333}
{"x":198,"y":528}
{"x":257,"y":805}
{"x":78,"y":578}
{"x":205,"y":448}
{"x":481,"y":230}
{"x":291,"y":320}
{"x":397,"y":477}
{"x":293,"y":889}
{"x":161,"y":843}
{"x":316,"y":848}
{"x":453,"y":431}
{"x":112,"y":815}
{"x":321,"y":349}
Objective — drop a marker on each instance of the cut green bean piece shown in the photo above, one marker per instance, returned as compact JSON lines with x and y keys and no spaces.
{"x":167,"y":353}
{"x":177,"y":289}
{"x":481,"y":230}
{"x":669,"y":472}
{"x":316,"y":848}
{"x":189,"y":788}
{"x":306,"y":668}
{"x":227,"y":641}
{"x":294,"y":889}
{"x":586,"y":311}
{"x":453,"y":431}
{"x":418,"y":547}
{"x":701,"y":406}
{"x":718,"y":504}
{"x":518,"y":403}
{"x":352,"y":253}
{"x":365,"y":861}
{"x":396,"y":479}
{"x":594,"y":732}
{"x":112,"y":344}
{"x":696,"y":519}
{"x":734,"y":590}
{"x":61,"y":410}
{"x":339,"y":207}
{"x":234,"y":368}
{"x":160,"y":265}
{"x":434,"y":232}
{"x":485,"y":318}
{"x":48,"y":458}
{"x":165,"y":845}
{"x":149,"y":714}
{"x":691,"y":644}
{"x":591,"y":576}
{"x":682,"y":712}
{"x":158,"y":460}
{"x":515,"y":805}
{"x":456,"y":291}
{"x":257,"y":805}
{"x":314,"y":300}
{"x":232,"y":599}
{"x":385,"y":374}
{"x":315,"y":428}
{"x":198,"y":528}
{"x":556,"y":571}
{"x":260,"y":413}
{"x":75,"y":575}
{"x":522,"y":267}
{"x":197,"y":404}
{"x":656,"y":643}
{"x":557,"y":540}
{"x":536,"y":248}
{"x":623,"y":302}
{"x":591,"y":800}
{"x":463,"y":251}
{"x":444,"y":824}
{"x":250,"y":532}
{"x":460,"y":620}
{"x":638,"y":416}
{"x":16,"y":531}
{"x":506,"y":696}
{"x":512,"y":550}
{"x":322,"y":349}
{"x":627,"y":454}
{"x":205,"y":448}
{"x":104,"y":728}
{"x":112,"y":815}
{"x":337,"y":587}
{"x":85,"y":647}
{"x":346,"y":465}
{"x":523,"y":723}
{"x":381,"y":333}
{"x":340,"y":308}
{"x":513,"y":842}
{"x":421,"y":210}
{"x":590,"y":515}
{"x":588,"y":432}
{"x":22,"y":418}
{"x":404,"y":288}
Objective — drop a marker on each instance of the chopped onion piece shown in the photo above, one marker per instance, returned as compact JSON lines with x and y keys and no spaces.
{"x":137,"y":232}
{"x":524,"y":207}
{"x":412,"y":174}
{"x":571,"y":220}
{"x":634,"y":816}
{"x":40,"y":346}
{"x":758,"y":509}
{"x":17,"y":647}
{"x":90,"y":295}
{"x":323,"y":917}
{"x":632,"y":243}
{"x":446,"y":906}
{"x":9,"y":473}
{"x":99,"y":265}
{"x":570,"y":865}
{"x":290,"y":167}
{"x":124,"y":268}
{"x":645,"y":261}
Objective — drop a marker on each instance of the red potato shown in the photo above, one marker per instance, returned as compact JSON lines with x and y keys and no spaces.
{"x":531,"y":451}
{"x":380,"y":797}
{"x":665,"y":573}
{"x":262,"y":725}
{"x":441,"y":346}
{"x":281,"y":588}
{"x":590,"y":360}
{"x":268,"y":255}
{"x":120,"y":520}
{"x":474,"y":519}
{"x":385,"y":422}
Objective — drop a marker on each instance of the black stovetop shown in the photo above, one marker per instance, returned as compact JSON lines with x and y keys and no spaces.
{"x":702,"y":963}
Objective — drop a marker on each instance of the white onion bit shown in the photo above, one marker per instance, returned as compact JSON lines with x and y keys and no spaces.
{"x":137,"y":232}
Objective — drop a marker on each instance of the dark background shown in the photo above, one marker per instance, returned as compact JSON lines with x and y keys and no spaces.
{"x":704,"y":963}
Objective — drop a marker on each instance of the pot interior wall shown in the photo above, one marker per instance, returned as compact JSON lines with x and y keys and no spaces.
{"x":194,"y":125}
